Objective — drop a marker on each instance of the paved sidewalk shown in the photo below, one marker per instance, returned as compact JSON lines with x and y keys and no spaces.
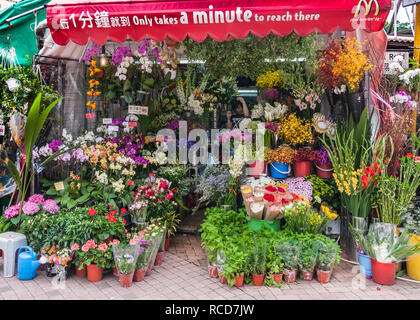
{"x":184,"y":275}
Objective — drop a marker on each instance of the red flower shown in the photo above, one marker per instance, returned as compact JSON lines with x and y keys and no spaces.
{"x":160,"y":200}
{"x":410,"y":155}
{"x":92,"y":212}
{"x":113,"y":212}
{"x":111,"y":207}
{"x":284,"y":201}
{"x":280,"y":189}
{"x":168,"y":196}
{"x":174,"y":190}
{"x":269,"y":197}
{"x":163,"y":185}
{"x":124,"y":221}
{"x":130,"y":182}
{"x":270,"y":189}
{"x":123,"y":210}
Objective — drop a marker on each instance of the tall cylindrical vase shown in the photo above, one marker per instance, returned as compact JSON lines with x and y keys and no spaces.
{"x":347,"y":240}
{"x":355,"y":102}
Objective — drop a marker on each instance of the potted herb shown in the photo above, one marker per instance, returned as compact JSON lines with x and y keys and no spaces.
{"x":327,"y":254}
{"x":303,"y":162}
{"x":233,"y":271}
{"x":276,"y":268}
{"x":280,"y":160}
{"x":125,"y":257}
{"x":289,"y":251}
{"x":258,"y":263}
{"x":307,"y":261}
{"x":323,"y":165}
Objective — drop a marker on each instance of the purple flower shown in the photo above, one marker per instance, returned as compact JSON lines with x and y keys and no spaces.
{"x":55,"y":145}
{"x":272,"y":94}
{"x":12,"y":211}
{"x":36,"y":198}
{"x":50,"y":206}
{"x":323,"y":158}
{"x":272,"y":126}
{"x":89,"y":54}
{"x":120,"y":53}
{"x":30,"y":208}
{"x":300,"y":186}
{"x":173,"y":125}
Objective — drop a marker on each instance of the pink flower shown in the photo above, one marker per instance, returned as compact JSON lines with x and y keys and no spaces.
{"x":75,"y":247}
{"x":169,"y":196}
{"x":85,"y":248}
{"x":12,"y":211}
{"x":133,"y":242}
{"x":50,"y":206}
{"x":91,"y":243}
{"x":36,"y":198}
{"x":102,"y":247}
{"x":160,"y":200}
{"x":30,"y":208}
{"x":115,"y":242}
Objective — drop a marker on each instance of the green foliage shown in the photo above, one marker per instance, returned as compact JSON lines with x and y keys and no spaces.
{"x":171,"y":222}
{"x":257,"y":257}
{"x":324,"y":191}
{"x":327,"y":253}
{"x":307,"y":259}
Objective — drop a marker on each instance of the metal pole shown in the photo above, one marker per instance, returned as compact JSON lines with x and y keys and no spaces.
{"x":417,"y":34}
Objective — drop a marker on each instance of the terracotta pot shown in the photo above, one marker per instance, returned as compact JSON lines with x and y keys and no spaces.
{"x":115,"y":271}
{"x":81,"y":272}
{"x":126,"y":280}
{"x":213,"y":271}
{"x":94,"y":274}
{"x":278,"y":277}
{"x":383,"y":273}
{"x":159,"y":258}
{"x":258,"y":279}
{"x":323,"y":275}
{"x":138,"y":275}
{"x":302,"y":168}
{"x":167,"y":243}
{"x":222,"y":279}
{"x":239,"y":281}
{"x":307,"y":275}
{"x":290,"y":275}
{"x":148,"y":270}
{"x":324,"y":171}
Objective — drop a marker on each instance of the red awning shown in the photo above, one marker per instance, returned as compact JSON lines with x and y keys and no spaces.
{"x":117,"y":20}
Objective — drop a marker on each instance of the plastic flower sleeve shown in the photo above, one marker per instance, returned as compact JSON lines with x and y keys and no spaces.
{"x":125,"y":257}
{"x":326,"y":253}
{"x":221,"y":259}
{"x":288,"y":250}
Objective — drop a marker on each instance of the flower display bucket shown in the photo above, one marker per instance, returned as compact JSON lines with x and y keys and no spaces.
{"x":290,"y":275}
{"x":94,"y":274}
{"x":239,"y":281}
{"x":383,"y":273}
{"x":302,"y":168}
{"x":323,"y":276}
{"x":324,"y":171}
{"x":115,"y":271}
{"x":307,"y":275}
{"x":138,"y":275}
{"x":159,"y":258}
{"x":256,"y":224}
{"x":279,"y":170}
{"x":213,"y":271}
{"x":413,"y":262}
{"x":256,"y":168}
{"x":365,"y":265}
{"x":82,"y":272}
{"x":257,"y":279}
{"x":278,"y":277}
{"x":126,"y":280}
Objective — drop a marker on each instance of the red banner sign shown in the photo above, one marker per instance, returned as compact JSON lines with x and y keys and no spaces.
{"x":100,"y":20}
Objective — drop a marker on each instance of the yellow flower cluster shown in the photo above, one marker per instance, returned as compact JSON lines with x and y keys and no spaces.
{"x":314,"y":218}
{"x":295,"y":130}
{"x":330,"y":214}
{"x":350,"y":64}
{"x":270,"y":79}
{"x":347,"y":181}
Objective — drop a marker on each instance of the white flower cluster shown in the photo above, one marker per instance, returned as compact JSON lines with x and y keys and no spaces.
{"x":338,"y":90}
{"x":122,"y":68}
{"x":101,"y":177}
{"x":118,"y":185}
{"x":128,"y":172}
{"x":268,"y":111}
{"x":399,"y":98}
{"x":115,"y":166}
{"x":144,"y":61}
{"x":171,"y":71}
{"x":236,"y":163}
{"x":323,"y":125}
{"x":410,"y":74}
{"x":395,"y":65}
{"x":161,"y":158}
{"x":194,"y":105}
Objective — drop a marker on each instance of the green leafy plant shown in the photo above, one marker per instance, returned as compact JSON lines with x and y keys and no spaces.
{"x":125,"y":257}
{"x":327,"y":253}
{"x":289,"y":251}
{"x":171,"y":223}
{"x":307,"y":259}
{"x":257,"y":263}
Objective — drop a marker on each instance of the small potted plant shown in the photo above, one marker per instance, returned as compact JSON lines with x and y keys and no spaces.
{"x":125,"y":257}
{"x":280,"y":160}
{"x":276,"y":269}
{"x":307,"y":261}
{"x":234,"y":267}
{"x":138,"y":210}
{"x":302,"y":165}
{"x":323,"y":165}
{"x":143,"y":259}
{"x":95,"y":257}
{"x":78,"y":263}
{"x":289,"y":251}
{"x":58,"y":261}
{"x":412,"y":224}
{"x":258,"y":263}
{"x":327,"y":254}
{"x":171,"y":222}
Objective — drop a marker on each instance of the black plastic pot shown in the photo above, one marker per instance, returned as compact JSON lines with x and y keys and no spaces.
{"x":356,"y":104}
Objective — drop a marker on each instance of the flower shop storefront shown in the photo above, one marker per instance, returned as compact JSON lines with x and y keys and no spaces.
{"x":118,"y":189}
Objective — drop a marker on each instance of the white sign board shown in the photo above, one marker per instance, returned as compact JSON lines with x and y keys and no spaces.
{"x":391,"y":58}
{"x":407,"y":3}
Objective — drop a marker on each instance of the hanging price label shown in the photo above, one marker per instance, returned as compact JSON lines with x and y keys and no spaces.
{"x":144,"y":111}
{"x":113,"y":128}
{"x":107,"y":120}
{"x":59,"y":186}
{"x":2,"y":130}
{"x":89,"y":115}
{"x":132,"y":124}
{"x":132,"y":109}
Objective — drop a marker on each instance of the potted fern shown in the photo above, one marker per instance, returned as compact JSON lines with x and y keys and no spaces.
{"x":258,"y":263}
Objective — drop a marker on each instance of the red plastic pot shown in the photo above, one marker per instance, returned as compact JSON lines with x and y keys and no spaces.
{"x":115,"y":271}
{"x":167,"y":243}
{"x":138,"y":275}
{"x":256,"y":168}
{"x":149,"y":269}
{"x":159,"y":258}
{"x":383,"y":273}
{"x":222,"y":279}
{"x":307,"y":275}
{"x":302,"y":168}
{"x":278,"y":277}
{"x":290,"y":275}
{"x":94,"y":274}
{"x":81,"y":272}
{"x":239,"y":281}
{"x":324,"y":171}
{"x":126,"y":280}
{"x":213,"y":271}
{"x":323,"y":275}
{"x":257,"y":279}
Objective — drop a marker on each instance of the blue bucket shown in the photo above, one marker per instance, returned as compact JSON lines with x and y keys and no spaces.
{"x":365,"y":265}
{"x":279,"y":170}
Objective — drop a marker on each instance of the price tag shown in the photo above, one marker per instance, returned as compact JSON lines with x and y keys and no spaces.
{"x":2,"y":130}
{"x":113,"y":128}
{"x":89,"y":115}
{"x":144,"y":111}
{"x":107,"y":120}
{"x":59,"y":186}
{"x":134,"y":109}
{"x":132,"y":124}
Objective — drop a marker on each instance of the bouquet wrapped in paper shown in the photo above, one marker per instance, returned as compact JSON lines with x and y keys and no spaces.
{"x":273,"y":212}
{"x":248,"y":202}
{"x":246,"y":191}
{"x":257,"y":210}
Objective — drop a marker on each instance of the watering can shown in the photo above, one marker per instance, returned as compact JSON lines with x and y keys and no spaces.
{"x":27,"y":264}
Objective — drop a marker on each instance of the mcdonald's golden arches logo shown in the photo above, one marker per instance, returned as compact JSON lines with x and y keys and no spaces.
{"x":368,"y":6}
